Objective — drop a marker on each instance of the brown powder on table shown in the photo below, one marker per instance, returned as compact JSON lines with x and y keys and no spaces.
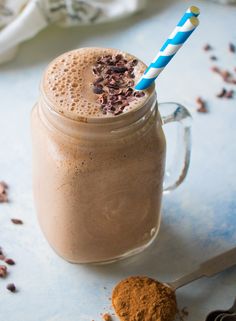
{"x":143,"y":299}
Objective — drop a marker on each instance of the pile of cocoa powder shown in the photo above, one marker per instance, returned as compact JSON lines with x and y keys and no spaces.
{"x":139,"y":298}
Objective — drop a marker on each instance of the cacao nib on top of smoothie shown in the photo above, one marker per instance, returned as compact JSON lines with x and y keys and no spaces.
{"x":114,"y":83}
{"x":94,"y":82}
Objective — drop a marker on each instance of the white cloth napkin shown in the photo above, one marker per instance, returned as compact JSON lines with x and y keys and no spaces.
{"x":23,"y":19}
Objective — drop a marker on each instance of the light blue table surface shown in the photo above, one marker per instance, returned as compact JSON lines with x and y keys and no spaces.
{"x":199,"y":219}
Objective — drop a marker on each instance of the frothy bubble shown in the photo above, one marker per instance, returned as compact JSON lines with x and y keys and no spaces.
{"x":68,"y":83}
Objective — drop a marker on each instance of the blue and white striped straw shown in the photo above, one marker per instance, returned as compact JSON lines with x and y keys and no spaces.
{"x":190,"y":12}
{"x":181,"y":33}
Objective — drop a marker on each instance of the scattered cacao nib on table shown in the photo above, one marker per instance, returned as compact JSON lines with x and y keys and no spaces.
{"x":3,"y":271}
{"x":11,"y":287}
{"x":229,"y":94}
{"x":16,"y":221}
{"x":215,"y":69}
{"x":213,"y":57}
{"x":225,"y":94}
{"x":225,"y":74}
{"x":207,"y":47}
{"x":9,"y":261}
{"x":222,"y":93}
{"x":232,"y":47}
{"x":202,"y":108}
{"x":3,"y":192}
{"x":114,"y":83}
{"x":2,"y":256}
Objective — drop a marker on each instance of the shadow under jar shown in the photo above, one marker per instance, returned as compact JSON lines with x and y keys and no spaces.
{"x":98,"y":182}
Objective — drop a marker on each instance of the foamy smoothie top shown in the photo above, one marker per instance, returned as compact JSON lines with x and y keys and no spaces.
{"x":94,"y":83}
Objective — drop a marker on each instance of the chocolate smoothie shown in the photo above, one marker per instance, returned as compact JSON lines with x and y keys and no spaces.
{"x":98,"y":156}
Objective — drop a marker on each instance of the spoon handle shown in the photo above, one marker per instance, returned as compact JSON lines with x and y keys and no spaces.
{"x":209,"y":268}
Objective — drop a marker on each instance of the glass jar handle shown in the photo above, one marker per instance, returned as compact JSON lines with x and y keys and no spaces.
{"x":175,"y":112}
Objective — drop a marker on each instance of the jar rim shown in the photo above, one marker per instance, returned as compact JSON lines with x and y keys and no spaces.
{"x":101,"y":120}
{"x":115,"y":127}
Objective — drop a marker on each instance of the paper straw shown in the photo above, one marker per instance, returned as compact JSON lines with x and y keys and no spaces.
{"x":190,"y":12}
{"x":167,"y":52}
